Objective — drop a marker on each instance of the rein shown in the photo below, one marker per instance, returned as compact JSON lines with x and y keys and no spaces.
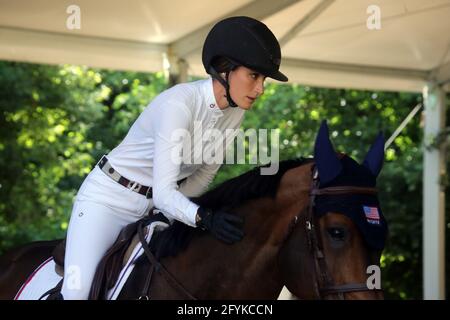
{"x":157,"y":266}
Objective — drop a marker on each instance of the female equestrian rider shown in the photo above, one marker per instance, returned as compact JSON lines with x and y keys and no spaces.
{"x":238,"y":53}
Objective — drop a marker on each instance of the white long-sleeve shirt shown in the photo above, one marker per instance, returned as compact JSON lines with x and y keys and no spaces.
{"x":146,"y":155}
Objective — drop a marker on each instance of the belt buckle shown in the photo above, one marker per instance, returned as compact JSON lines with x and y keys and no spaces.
{"x":134,"y":186}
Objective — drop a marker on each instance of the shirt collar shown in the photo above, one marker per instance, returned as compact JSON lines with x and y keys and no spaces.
{"x":210,"y":99}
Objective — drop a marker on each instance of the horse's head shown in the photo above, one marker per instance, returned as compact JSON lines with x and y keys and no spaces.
{"x":341,"y":232}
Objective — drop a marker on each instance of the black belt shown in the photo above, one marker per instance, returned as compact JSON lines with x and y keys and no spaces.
{"x":132,"y":185}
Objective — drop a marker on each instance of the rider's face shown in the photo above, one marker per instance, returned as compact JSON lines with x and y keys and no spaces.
{"x":246,"y":86}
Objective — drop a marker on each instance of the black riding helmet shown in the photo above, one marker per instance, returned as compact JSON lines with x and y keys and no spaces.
{"x":243,"y":41}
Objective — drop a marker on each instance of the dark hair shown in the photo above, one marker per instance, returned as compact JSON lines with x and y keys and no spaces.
{"x":222,"y":64}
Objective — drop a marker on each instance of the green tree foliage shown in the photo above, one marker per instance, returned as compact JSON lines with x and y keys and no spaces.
{"x":56,"y":121}
{"x":54,"y":124}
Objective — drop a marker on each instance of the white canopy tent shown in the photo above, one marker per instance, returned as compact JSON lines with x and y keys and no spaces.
{"x":325,"y":43}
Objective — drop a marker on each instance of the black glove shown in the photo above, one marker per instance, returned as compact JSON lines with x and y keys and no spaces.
{"x":222,"y":225}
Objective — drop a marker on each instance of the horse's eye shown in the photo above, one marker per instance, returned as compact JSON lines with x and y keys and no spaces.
{"x":336,"y":233}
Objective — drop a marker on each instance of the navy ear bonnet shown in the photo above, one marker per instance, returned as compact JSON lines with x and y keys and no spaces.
{"x":363,"y":209}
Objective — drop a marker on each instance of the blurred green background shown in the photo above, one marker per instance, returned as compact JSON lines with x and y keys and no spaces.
{"x":56,"y":121}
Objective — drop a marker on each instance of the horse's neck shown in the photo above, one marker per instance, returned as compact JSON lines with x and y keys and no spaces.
{"x":271,"y":219}
{"x":249,"y":269}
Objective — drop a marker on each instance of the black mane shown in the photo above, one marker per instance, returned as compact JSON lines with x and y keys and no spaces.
{"x":231,"y":193}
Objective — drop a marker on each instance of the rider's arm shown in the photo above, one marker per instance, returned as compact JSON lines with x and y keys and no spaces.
{"x":197,"y":183}
{"x":166,"y":197}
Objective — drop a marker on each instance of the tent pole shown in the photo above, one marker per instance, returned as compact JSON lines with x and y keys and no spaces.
{"x":176,"y":68}
{"x":433,"y":195}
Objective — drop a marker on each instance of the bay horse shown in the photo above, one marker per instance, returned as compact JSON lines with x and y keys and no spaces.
{"x":314,"y":227}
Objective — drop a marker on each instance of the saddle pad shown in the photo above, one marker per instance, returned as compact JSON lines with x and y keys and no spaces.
{"x":136,"y":253}
{"x":39,"y":282}
{"x":45,"y":277}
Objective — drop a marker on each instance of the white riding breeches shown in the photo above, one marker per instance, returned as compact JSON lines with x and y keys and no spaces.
{"x":102,"y":208}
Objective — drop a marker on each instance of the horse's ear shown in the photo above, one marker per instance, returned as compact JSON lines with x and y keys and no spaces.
{"x":375,"y":156}
{"x":328,"y":164}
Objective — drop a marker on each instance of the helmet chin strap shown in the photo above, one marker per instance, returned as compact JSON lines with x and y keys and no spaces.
{"x":224,"y":83}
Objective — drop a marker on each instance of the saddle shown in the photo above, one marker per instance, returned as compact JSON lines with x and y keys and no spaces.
{"x":115,"y":258}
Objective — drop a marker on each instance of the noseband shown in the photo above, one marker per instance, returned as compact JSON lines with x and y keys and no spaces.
{"x":323,"y":282}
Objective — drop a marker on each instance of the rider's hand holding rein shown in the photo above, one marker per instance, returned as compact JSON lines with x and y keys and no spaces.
{"x":224,"y":226}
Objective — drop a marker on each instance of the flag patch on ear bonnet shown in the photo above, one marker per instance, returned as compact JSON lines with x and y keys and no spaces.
{"x":372,"y":215}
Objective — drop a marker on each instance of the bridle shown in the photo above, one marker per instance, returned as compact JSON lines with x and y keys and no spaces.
{"x":323,"y":282}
